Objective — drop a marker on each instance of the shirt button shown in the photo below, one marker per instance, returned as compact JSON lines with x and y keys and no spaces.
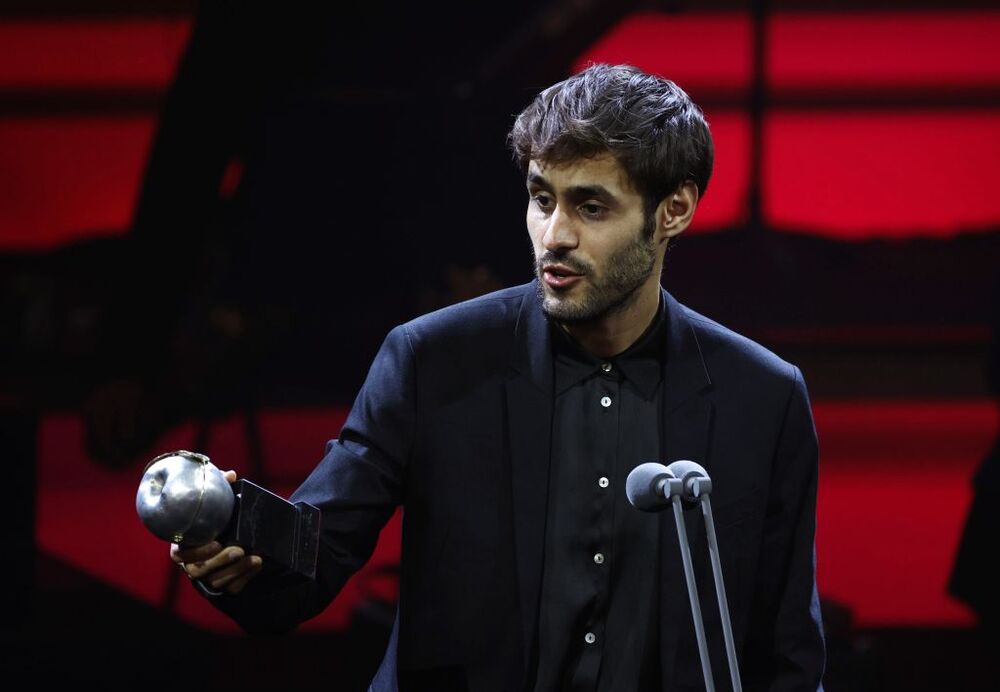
{"x":605,"y":401}
{"x":603,"y":482}
{"x":606,"y":367}
{"x":599,"y":558}
{"x":590,"y":637}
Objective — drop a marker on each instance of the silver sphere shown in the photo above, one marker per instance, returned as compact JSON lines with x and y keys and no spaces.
{"x":184,"y":498}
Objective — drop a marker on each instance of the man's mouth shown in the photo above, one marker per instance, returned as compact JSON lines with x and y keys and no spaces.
{"x":559,"y":275}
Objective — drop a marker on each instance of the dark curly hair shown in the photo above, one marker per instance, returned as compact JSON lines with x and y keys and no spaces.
{"x":651,"y":126}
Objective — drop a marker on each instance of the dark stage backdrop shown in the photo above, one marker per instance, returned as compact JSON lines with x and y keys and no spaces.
{"x":852,"y":225}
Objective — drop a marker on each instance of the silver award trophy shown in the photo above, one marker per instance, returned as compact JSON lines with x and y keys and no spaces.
{"x":184,"y":498}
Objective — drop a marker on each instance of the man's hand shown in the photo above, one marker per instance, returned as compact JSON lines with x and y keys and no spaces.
{"x":217,"y":567}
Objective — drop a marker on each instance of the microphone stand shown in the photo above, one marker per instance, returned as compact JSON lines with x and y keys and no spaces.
{"x":673,"y":489}
{"x":694,"y":486}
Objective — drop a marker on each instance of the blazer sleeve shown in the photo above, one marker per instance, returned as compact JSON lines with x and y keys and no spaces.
{"x":785,"y":647}
{"x":357,"y":486}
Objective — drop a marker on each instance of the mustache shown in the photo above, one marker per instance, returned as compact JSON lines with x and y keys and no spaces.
{"x":575,"y":265}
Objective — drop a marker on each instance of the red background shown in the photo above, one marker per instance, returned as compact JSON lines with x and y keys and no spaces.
{"x":917,"y":168}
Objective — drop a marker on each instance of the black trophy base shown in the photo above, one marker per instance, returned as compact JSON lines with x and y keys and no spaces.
{"x":286,"y":535}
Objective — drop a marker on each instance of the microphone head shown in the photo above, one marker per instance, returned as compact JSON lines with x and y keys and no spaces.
{"x":644,"y":486}
{"x":682,"y":468}
{"x":687,"y":470}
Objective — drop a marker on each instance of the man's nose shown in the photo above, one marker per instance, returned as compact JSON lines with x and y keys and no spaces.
{"x":561,"y":232}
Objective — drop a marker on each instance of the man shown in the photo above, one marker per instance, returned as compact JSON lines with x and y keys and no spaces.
{"x":506,"y":427}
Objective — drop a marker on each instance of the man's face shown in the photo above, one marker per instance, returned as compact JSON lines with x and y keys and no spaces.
{"x":593,"y":241}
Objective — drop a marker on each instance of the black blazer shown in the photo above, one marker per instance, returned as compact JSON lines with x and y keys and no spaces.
{"x":453,"y":422}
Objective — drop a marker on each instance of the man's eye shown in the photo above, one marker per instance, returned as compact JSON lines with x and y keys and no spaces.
{"x":543,"y":201}
{"x":592,"y":210}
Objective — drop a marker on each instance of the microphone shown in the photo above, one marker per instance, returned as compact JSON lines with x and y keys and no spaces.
{"x":694,"y":482}
{"x":683,"y":484}
{"x":650,"y":486}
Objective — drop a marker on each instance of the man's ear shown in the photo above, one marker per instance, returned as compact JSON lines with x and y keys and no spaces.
{"x":676,"y":210}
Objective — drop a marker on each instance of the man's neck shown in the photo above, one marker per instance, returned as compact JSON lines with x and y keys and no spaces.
{"x":615,"y":332}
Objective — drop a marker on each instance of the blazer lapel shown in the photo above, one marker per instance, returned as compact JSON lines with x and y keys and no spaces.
{"x":529,"y":411}
{"x":686,"y":374}
{"x":687,"y":426}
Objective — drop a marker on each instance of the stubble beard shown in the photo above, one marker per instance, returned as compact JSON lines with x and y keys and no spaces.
{"x":626,"y":272}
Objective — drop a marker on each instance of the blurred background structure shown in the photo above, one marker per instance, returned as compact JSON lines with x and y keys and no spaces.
{"x":211,"y":213}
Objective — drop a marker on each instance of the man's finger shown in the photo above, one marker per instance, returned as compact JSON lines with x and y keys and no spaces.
{"x":200,"y":569}
{"x":237,"y":584}
{"x":219,"y":578}
{"x":230,"y":476}
{"x":198,"y":553}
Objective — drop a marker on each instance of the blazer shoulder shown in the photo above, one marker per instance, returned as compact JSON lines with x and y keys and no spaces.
{"x":486,"y":316}
{"x":721,"y":344}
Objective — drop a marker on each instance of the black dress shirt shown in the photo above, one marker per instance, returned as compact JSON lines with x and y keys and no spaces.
{"x":598,"y":618}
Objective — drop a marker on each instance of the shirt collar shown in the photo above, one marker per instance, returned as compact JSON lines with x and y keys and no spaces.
{"x":641,"y":363}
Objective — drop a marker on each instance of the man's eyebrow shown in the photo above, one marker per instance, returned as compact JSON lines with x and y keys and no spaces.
{"x":576,"y":192}
{"x":539,"y":181}
{"x":580,"y":192}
